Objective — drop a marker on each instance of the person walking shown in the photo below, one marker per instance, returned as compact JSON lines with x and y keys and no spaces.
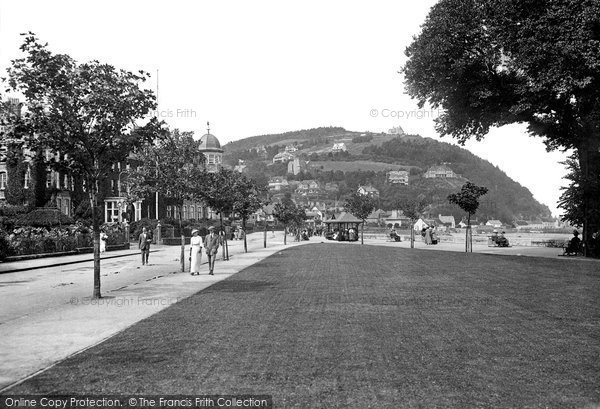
{"x":195,"y":253}
{"x":144,"y":245}
{"x":211,"y":245}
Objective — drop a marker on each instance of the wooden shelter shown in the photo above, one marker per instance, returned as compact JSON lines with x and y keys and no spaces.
{"x":342,"y":227}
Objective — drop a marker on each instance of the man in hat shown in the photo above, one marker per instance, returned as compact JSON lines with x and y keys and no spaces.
{"x":211,"y":244}
{"x":144,"y":245}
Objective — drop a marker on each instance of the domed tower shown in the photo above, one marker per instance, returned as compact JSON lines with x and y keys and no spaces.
{"x":211,"y":148}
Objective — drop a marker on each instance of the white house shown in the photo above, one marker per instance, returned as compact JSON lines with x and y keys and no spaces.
{"x":439,"y":171}
{"x":339,"y":147}
{"x":368,"y":191}
{"x":282,"y":157}
{"x":398,"y":177}
{"x":494,"y":223}
{"x":278,"y":183}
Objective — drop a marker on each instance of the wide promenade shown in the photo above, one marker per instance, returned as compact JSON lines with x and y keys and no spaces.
{"x":323,"y":325}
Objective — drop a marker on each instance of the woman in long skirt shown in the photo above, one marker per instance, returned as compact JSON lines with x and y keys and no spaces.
{"x":195,"y":253}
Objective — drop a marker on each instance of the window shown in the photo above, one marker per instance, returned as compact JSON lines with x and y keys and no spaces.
{"x":184,"y":212}
{"x":2,"y":180}
{"x":112,"y":211}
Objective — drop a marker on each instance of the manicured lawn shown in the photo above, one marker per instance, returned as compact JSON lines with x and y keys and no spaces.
{"x":343,"y":325}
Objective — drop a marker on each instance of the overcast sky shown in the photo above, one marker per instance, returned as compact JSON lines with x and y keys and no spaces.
{"x":259,"y":67}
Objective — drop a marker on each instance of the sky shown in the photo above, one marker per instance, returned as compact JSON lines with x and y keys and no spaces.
{"x":261,"y":67}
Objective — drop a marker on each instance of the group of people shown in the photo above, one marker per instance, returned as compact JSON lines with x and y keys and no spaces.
{"x":430,"y":235}
{"x":210,"y":243}
{"x":211,"y":246}
{"x":499,"y":239}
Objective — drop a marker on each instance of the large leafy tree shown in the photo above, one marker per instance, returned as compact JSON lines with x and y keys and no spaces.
{"x":172,"y":166}
{"x":287,"y":213}
{"x":84,"y":113}
{"x":217,"y":189}
{"x":247,"y":199}
{"x":488,"y":63}
{"x":360,"y":206}
{"x":412,"y":208}
{"x":468,"y":200}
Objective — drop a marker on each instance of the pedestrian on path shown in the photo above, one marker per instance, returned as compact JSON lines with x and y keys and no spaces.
{"x":195,"y":252}
{"x":103,"y":240}
{"x":211,"y":244}
{"x":144,"y":245}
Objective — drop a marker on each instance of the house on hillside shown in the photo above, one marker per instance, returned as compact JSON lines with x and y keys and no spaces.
{"x":397,"y":219}
{"x":521,"y":224}
{"x":447,"y":221}
{"x":339,"y":147}
{"x":308,"y":188}
{"x":397,"y":130}
{"x":377,"y":217}
{"x":278,"y":183}
{"x":241,"y":167}
{"x":398,"y":177}
{"x":290,"y":149}
{"x":295,"y":166}
{"x":283,"y":157}
{"x":332,"y":187}
{"x":439,"y":171}
{"x":368,"y":191}
{"x":494,"y":223}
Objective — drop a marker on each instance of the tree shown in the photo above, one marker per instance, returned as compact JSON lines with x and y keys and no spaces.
{"x":412,"y":209}
{"x":468,"y":200}
{"x":217,"y":191}
{"x":172,"y":166}
{"x":85,"y":113}
{"x":286,"y":212}
{"x":360,"y":206}
{"x":494,"y":62}
{"x":246,"y":199}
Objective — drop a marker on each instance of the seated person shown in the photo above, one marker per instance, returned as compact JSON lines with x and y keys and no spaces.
{"x":574,"y":244}
{"x":394,"y":236}
{"x":501,"y":240}
{"x":494,"y":237}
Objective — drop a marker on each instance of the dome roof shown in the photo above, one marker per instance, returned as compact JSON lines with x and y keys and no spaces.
{"x":209,"y":141}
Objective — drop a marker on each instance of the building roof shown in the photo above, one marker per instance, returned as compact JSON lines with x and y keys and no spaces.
{"x":344,"y":217}
{"x":446,"y":219}
{"x":210,"y":142}
{"x":494,"y":221}
{"x":368,"y":188}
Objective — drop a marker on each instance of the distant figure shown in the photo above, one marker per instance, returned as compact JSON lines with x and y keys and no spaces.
{"x":394,"y":236}
{"x":428,"y":238}
{"x":434,"y":237}
{"x":211,"y":245}
{"x":195,"y":252}
{"x":501,"y":240}
{"x":144,"y":242}
{"x":103,"y":240}
{"x":574,"y":244}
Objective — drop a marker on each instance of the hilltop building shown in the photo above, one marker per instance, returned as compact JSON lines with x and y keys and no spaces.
{"x":399,"y":177}
{"x":368,"y":191}
{"x":283,"y":157}
{"x":440,"y":171}
{"x":339,"y":147}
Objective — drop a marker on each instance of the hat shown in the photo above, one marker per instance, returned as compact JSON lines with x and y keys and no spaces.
{"x":495,"y":231}
{"x":211,"y":227}
{"x":194,"y":231}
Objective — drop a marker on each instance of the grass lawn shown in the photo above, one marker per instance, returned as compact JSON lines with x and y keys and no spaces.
{"x":351,"y":326}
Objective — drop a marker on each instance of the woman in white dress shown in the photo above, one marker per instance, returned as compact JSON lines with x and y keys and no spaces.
{"x":103,"y":239}
{"x":195,"y":253}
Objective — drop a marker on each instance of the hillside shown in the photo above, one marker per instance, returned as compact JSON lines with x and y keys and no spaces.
{"x":367,"y":158}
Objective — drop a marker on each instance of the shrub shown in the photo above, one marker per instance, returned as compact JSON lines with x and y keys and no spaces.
{"x":43,"y":217}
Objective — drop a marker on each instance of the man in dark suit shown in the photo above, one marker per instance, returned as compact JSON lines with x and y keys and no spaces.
{"x":211,"y":244}
{"x":144,"y":245}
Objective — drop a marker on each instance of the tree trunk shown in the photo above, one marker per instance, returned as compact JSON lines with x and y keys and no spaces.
{"x":182,"y":255}
{"x":589,"y":163}
{"x":284,"y":234}
{"x":362,"y":233}
{"x":244,"y":233}
{"x":265,"y":239}
{"x":412,"y":235}
{"x":96,"y":238}
{"x":468,"y":236}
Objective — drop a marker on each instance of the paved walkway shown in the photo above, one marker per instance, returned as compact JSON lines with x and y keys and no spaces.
{"x":47,"y":313}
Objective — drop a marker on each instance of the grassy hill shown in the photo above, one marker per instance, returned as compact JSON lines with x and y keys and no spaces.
{"x":368,"y":158}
